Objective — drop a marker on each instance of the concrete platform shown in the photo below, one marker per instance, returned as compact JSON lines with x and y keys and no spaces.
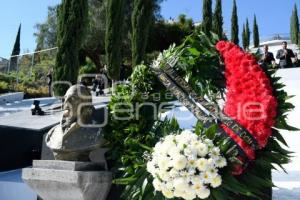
{"x":25,"y":120}
{"x":56,"y":182}
{"x":22,"y":105}
{"x":11,"y":97}
{"x":18,"y":114}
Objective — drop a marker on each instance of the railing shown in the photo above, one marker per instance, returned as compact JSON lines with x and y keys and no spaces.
{"x":31,"y":67}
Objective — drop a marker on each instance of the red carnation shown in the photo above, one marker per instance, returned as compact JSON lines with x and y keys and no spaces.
{"x":249,"y":98}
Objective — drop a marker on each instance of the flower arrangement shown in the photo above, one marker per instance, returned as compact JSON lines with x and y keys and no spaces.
{"x":186,"y":166}
{"x":204,"y":163}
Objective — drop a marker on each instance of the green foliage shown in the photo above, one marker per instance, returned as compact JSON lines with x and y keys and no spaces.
{"x":129,"y":139}
{"x":234,"y":24}
{"x":37,"y":79}
{"x":94,"y":42}
{"x":143,"y":79}
{"x":7,"y":77}
{"x":113,"y":37}
{"x":72,"y":16}
{"x":284,"y":106}
{"x":163,"y":34}
{"x":247,"y":34}
{"x":199,"y":63}
{"x":244,"y":37}
{"x":255,"y":33}
{"x":207,"y":17}
{"x":218,"y":20}
{"x":26,"y":84}
{"x":46,"y":33}
{"x":295,"y":26}
{"x":185,"y":23}
{"x":140,"y":117}
{"x":3,"y":87}
{"x":141,"y":21}
{"x":88,"y":68}
{"x":32,"y":92}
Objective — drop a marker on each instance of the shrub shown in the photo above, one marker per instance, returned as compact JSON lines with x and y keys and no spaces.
{"x":89,"y":68}
{"x":3,"y":87}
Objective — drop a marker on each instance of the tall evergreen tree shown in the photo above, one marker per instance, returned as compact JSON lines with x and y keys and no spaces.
{"x":247,"y":32}
{"x":218,"y":19}
{"x":141,"y":19}
{"x":15,"y":52}
{"x":207,"y":17}
{"x":255,"y":33}
{"x":295,"y":26}
{"x":244,"y":37}
{"x":234,"y":24}
{"x":113,"y":37}
{"x":72,"y":18}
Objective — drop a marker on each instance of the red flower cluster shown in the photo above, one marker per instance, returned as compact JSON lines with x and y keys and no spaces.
{"x":249,"y":98}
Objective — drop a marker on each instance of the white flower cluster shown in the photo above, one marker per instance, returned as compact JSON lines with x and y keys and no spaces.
{"x":186,"y":166}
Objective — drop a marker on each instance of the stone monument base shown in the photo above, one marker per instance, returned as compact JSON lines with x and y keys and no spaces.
{"x":68,"y":180}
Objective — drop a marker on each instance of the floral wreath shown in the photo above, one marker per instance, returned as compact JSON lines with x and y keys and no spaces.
{"x":204,"y":162}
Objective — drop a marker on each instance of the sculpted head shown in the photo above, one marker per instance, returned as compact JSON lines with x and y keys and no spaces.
{"x":77,"y":106}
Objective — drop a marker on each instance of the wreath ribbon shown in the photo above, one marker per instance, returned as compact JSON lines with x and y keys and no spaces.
{"x":191,"y":105}
{"x":200,"y":107}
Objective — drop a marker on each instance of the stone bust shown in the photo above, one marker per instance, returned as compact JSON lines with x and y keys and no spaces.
{"x":71,"y":140}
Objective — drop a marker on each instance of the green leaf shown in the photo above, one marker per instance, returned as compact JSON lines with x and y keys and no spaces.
{"x":219,"y":194}
{"x":279,"y":137}
{"x":124,"y":181}
{"x":211,"y":131}
{"x":232,"y":184}
{"x":283,"y":125}
{"x":194,"y":51}
{"x":146,"y":147}
{"x":199,"y":128}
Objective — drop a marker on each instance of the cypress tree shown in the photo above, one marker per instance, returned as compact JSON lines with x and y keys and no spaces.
{"x":244,"y":37}
{"x":218,"y":19}
{"x":115,"y":15}
{"x":247,"y":33}
{"x":255,"y":33}
{"x":72,"y":18}
{"x":15,"y":51}
{"x":141,"y":19}
{"x":295,"y":26}
{"x":234,"y":25}
{"x":207,"y":17}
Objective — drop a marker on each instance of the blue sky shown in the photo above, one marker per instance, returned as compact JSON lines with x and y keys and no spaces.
{"x":273,"y":17}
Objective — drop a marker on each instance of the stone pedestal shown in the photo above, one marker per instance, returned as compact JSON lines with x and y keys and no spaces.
{"x":68,"y":180}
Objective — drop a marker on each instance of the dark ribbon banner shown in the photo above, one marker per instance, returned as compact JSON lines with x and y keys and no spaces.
{"x":211,"y":109}
{"x":191,"y":105}
{"x":199,"y":106}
